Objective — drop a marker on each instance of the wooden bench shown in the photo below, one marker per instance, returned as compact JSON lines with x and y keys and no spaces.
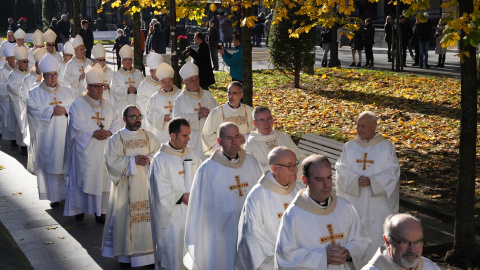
{"x":313,"y":144}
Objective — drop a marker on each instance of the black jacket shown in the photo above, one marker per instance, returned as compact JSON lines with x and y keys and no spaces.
{"x":407,"y":33}
{"x":201,"y":58}
{"x":356,"y":43}
{"x":157,"y":42}
{"x":424,"y":30}
{"x":327,"y":37}
{"x":388,"y":32}
{"x":213,"y":36}
{"x":87,"y":36}
{"x":369,"y":35}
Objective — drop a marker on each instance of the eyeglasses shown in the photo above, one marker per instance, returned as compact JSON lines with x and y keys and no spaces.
{"x":406,"y":244}
{"x":136,"y":117}
{"x":51,"y":76}
{"x":96,"y":87}
{"x":290,"y":167}
{"x":101,"y":60}
{"x":23,"y":61}
{"x":51,"y":45}
{"x":263,"y":121}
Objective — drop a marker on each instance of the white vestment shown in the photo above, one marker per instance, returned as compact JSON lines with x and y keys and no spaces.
{"x":381,"y":260}
{"x":187,"y":106}
{"x":216,"y":200}
{"x":259,"y":146}
{"x":31,"y":60}
{"x":14,"y":83}
{"x":377,"y":160}
{"x":241,"y":116}
{"x":89,"y":183}
{"x":259,"y":222}
{"x":47,"y":135}
{"x":128,"y":231}
{"x":107,"y":79}
{"x":73,"y":70}
{"x":146,"y":89}
{"x":5,"y":103}
{"x":171,"y":176}
{"x":307,"y":229}
{"x":121,"y":81}
{"x":61,"y":74}
{"x":57,"y":55}
{"x":30,"y":81}
{"x":159,"y":105}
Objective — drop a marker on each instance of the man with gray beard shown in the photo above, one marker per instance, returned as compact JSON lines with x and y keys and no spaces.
{"x":403,"y":236}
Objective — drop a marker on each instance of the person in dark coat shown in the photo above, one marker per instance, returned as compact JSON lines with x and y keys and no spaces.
{"x":414,"y":43}
{"x":157,"y":40}
{"x":356,"y":44}
{"x":54,"y":27}
{"x":406,"y":33}
{"x":64,"y":27}
{"x":326,"y":44}
{"x":213,"y":37}
{"x":87,"y":35}
{"x":258,"y":33}
{"x":120,"y":41}
{"x":368,"y":41}
{"x":11,"y":25}
{"x":201,"y":58}
{"x":388,"y":36}
{"x":424,"y":30}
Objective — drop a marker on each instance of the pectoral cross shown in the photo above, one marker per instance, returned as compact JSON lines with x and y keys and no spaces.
{"x":55,"y":102}
{"x":98,"y":118}
{"x":238,"y":186}
{"x":130,"y":82}
{"x":285,"y":206}
{"x":364,"y":161}
{"x":82,"y":70}
{"x":199,"y":107}
{"x":331,"y":236}
{"x":170,"y":106}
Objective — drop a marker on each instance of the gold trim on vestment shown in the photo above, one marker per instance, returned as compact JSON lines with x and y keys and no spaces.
{"x":151,"y":81}
{"x":312,"y":207}
{"x":191,"y":95}
{"x":81,"y":61}
{"x":44,"y":86}
{"x":268,"y":184}
{"x":89,"y":100}
{"x":217,"y":157}
{"x":127,"y":72}
{"x":168,"y":94}
{"x":377,"y":139}
{"x":24,"y":73}
{"x":169,"y":150}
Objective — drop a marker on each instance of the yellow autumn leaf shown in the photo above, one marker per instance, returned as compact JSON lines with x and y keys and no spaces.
{"x":324,"y":76}
{"x":213,"y":7}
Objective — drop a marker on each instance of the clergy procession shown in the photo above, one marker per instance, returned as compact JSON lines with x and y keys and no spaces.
{"x":179,"y":181}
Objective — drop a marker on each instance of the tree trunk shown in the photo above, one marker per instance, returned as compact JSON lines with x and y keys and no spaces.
{"x":247,"y":62}
{"x":296,"y":78}
{"x":463,"y":252}
{"x":76,"y":18}
{"x":137,"y":50}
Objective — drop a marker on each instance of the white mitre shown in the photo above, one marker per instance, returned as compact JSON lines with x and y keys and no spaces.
{"x":68,"y":48}
{"x":9,"y":49}
{"x":188,"y":70}
{"x":154,"y":59}
{"x":98,"y":51}
{"x":164,"y":70}
{"x":77,"y":42}
{"x":21,"y":53}
{"x":19,"y":34}
{"x":37,"y":38}
{"x":126,"y":52}
{"x":94,"y":74}
{"x":38,"y":54}
{"x":50,"y":36}
{"x":48,"y":63}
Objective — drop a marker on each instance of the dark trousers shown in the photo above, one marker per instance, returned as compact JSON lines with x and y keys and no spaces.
{"x":369,"y":53}
{"x":214,"y":55}
{"x":389,"y":50}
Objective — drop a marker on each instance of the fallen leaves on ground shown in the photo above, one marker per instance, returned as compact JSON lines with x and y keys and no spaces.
{"x":419,"y":115}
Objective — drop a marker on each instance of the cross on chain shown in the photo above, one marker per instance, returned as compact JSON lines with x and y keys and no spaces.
{"x":285,"y":206}
{"x":199,"y":107}
{"x":364,"y":161}
{"x":238,"y":186}
{"x":98,"y":118}
{"x":82,"y":70}
{"x":55,"y":102}
{"x":170,"y":106}
{"x":130,"y":82}
{"x":331,"y":236}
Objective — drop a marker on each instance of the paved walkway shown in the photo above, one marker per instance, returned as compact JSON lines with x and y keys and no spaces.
{"x":51,"y":241}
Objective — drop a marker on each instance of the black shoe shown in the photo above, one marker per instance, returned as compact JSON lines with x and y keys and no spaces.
{"x":79,"y":217}
{"x":414,"y":64}
{"x":24,"y":150}
{"x":427,"y":66}
{"x":421,"y":66}
{"x":352,"y":64}
{"x":371,"y":65}
{"x":54,"y":204}
{"x":100,"y":219}
{"x":438,"y":65}
{"x":13,"y":143}
{"x":359,"y":64}
{"x":366,"y":64}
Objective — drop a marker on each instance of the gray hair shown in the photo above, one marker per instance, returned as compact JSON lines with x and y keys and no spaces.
{"x":260,"y":109}
{"x":237,"y":84}
{"x":372,"y":116}
{"x":223,"y":127}
{"x":275,"y":154}
{"x":391,"y":225}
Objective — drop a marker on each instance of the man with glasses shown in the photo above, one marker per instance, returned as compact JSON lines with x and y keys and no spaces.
{"x":160,"y":105}
{"x":219,"y":189}
{"x":75,"y":68}
{"x":265,"y":138}
{"x":93,"y":120}
{"x":232,"y":111}
{"x":127,"y":234}
{"x":5,"y":70}
{"x":367,"y":174}
{"x":50,"y":38}
{"x":320,"y":230}
{"x":194,"y":104}
{"x":20,"y":36}
{"x":403,"y":236}
{"x":265,"y":205}
{"x":125,"y":82}
{"x":14,"y":83}
{"x":99,"y":54}
{"x":67,"y":56}
{"x":47,"y":109}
